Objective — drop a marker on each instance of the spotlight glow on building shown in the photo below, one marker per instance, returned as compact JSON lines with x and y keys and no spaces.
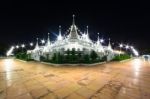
{"x":43,"y":41}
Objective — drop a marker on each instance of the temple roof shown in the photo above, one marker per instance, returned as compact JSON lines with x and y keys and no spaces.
{"x":73,"y":31}
{"x":48,"y":41}
{"x":109,"y":45}
{"x":37,"y":45}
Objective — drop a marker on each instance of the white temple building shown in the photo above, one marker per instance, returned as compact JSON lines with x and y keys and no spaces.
{"x":74,"y":40}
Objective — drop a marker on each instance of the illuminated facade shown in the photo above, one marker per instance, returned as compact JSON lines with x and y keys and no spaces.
{"x":74,"y":40}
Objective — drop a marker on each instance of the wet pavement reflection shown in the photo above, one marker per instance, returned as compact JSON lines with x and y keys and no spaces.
{"x":113,"y":80}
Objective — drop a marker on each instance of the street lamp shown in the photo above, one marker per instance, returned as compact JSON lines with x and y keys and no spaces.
{"x":127,"y":47}
{"x":17,"y":46}
{"x":31,"y":44}
{"x":121,"y":45}
{"x":22,"y":45}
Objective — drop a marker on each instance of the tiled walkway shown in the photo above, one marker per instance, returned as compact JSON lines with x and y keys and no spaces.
{"x":33,"y":80}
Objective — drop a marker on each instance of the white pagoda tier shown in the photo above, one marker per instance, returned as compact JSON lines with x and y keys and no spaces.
{"x":75,"y":40}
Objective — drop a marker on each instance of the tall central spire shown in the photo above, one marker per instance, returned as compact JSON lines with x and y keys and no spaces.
{"x":73,"y":30}
{"x":73,"y":21}
{"x":59,"y":30}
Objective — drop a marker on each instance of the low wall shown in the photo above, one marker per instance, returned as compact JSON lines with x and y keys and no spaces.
{"x":73,"y":64}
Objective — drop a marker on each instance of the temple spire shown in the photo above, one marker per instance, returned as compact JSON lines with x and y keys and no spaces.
{"x":59,"y":36}
{"x":99,"y":45}
{"x":59,"y":29}
{"x":98,"y":40}
{"x":73,"y":21}
{"x":73,"y":30}
{"x":87,"y":27}
{"x":37,"y":45}
{"x":109,"y":45}
{"x":48,"y":40}
{"x":109,"y":42}
{"x":98,"y":37}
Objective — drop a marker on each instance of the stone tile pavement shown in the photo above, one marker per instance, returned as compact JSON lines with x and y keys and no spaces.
{"x":33,"y":80}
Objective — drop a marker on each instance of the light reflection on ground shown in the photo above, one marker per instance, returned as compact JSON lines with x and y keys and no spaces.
{"x":114,"y":80}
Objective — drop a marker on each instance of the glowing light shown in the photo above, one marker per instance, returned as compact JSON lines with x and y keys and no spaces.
{"x":127,"y":46}
{"x":8,"y":66}
{"x":43,"y":41}
{"x":121,"y":45}
{"x":17,"y":46}
{"x":59,"y":37}
{"x":101,"y":40}
{"x":22,"y":45}
{"x":31,"y":44}
{"x":118,"y":52}
{"x":136,"y":63}
{"x":131,"y":47}
{"x":135,"y":52}
{"x":9,"y":52}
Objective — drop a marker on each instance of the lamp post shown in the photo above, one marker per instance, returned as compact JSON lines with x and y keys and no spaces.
{"x":31,"y":44}
{"x":121,"y":45}
{"x":127,"y":47}
{"x":23,"y":46}
{"x":17,"y":46}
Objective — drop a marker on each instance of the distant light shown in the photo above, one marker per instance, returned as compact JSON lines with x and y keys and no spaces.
{"x":131,"y":47}
{"x":17,"y":46}
{"x":127,"y":46}
{"x":121,"y":45}
{"x":22,"y":45}
{"x":31,"y":44}
{"x":101,"y":40}
{"x":42,"y":41}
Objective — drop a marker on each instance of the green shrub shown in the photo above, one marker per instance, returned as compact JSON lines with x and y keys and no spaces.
{"x":93,"y":55}
{"x":121,"y":57}
{"x":86,"y":58}
{"x":22,"y":56}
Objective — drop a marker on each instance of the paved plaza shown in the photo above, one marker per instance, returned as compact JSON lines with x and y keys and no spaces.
{"x":113,"y":80}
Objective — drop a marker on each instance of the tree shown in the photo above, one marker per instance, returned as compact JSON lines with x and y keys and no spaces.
{"x":93,"y":55}
{"x":86,"y":58}
{"x":68,"y":55}
{"x":22,"y":55}
{"x":59,"y":58}
{"x":42,"y":58}
{"x":54,"y":57}
{"x":73,"y":58}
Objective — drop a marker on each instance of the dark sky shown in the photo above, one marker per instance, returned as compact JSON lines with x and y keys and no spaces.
{"x":122,"y":22}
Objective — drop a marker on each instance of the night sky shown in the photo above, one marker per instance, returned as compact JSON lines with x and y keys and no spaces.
{"x":23,"y":22}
